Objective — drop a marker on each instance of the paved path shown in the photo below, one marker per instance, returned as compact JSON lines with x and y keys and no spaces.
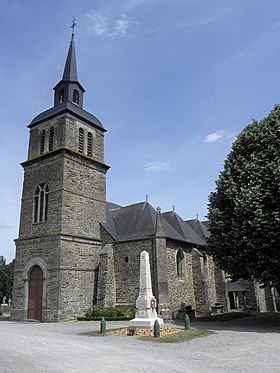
{"x":58,"y":347}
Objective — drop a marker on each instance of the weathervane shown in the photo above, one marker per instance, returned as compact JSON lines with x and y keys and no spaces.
{"x":73,"y":25}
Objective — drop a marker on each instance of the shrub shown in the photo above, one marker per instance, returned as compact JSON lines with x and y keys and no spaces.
{"x":109,"y":313}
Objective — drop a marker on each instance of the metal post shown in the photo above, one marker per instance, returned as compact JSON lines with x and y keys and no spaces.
{"x":187,"y":322}
{"x":156,"y":329}
{"x":103,"y":326}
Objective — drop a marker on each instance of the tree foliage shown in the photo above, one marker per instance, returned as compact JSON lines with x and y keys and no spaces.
{"x":6,"y":278}
{"x":244,"y":210}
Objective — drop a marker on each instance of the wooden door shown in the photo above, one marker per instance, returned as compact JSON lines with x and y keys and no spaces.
{"x":35,"y":292}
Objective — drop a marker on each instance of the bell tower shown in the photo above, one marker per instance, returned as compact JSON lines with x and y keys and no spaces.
{"x":63,"y":203}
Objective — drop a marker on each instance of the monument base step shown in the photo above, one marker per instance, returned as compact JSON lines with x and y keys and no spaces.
{"x":145,"y":323}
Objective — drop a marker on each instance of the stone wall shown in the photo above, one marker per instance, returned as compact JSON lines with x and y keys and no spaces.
{"x":49,"y":171}
{"x":210,"y":279}
{"x":199,"y":284}
{"x":79,"y":260}
{"x":180,"y":289}
{"x":105,"y":237}
{"x":68,"y":266}
{"x":67,"y":245}
{"x":84,"y":192}
{"x":44,"y":252}
{"x":221,"y":289}
{"x":106,"y":292}
{"x":66,"y":135}
{"x":127,"y":270}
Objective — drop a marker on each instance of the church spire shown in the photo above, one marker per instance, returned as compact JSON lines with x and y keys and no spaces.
{"x":69,"y":88}
{"x":70,"y":69}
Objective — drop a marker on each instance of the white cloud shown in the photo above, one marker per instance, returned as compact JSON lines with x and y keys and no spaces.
{"x":157,"y":166}
{"x":102,"y":25}
{"x":4,"y":225}
{"x":215,"y":136}
{"x":121,"y":25}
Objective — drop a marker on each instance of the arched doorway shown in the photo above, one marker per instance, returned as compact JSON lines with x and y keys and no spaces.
{"x":35,"y":291}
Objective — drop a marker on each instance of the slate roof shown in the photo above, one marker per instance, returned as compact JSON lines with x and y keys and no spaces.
{"x":67,"y":107}
{"x":70,"y":69}
{"x":199,"y":228}
{"x":235,"y":286}
{"x":206,"y":223}
{"x":138,"y":221}
{"x":183,"y":228}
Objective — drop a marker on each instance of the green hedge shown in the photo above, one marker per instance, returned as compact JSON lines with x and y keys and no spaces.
{"x":109,"y":313}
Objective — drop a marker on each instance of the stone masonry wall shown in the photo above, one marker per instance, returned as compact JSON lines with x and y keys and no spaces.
{"x":200,"y":288}
{"x":84,"y":195}
{"x":105,"y":237}
{"x":221,"y":289}
{"x":79,"y":260}
{"x":210,"y":279}
{"x":68,"y":268}
{"x":106,"y":294}
{"x":45,"y":252}
{"x":127,"y":270}
{"x":49,"y":171}
{"x":180,"y":289}
{"x":251,"y":300}
{"x":66,"y":128}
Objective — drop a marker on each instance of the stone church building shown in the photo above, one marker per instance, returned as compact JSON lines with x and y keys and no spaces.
{"x":75,"y":249}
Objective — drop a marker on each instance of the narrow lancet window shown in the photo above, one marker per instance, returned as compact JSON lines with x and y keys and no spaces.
{"x":51,"y":139}
{"x":42,"y":142}
{"x":89,"y":144}
{"x":41,"y":201}
{"x":81,"y":140}
{"x":61,"y":95}
{"x":179,"y":263}
{"x":76,"y":97}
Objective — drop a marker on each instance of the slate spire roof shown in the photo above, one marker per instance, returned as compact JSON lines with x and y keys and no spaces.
{"x":70,"y":74}
{"x":70,"y":69}
{"x":68,"y":97}
{"x":141,"y":221}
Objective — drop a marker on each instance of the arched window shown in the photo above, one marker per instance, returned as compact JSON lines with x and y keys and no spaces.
{"x":89,"y":144}
{"x":76,"y":97}
{"x":51,"y":139}
{"x":41,"y":201}
{"x":179,"y":263}
{"x":81,"y":140}
{"x":42,"y":142}
{"x":61,"y":95}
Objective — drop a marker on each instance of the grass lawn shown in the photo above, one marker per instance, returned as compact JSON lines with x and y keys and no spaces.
{"x":180,"y":335}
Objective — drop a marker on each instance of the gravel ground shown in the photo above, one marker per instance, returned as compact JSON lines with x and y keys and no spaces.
{"x":58,"y":347}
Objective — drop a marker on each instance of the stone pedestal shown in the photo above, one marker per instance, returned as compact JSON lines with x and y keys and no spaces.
{"x":146,"y":314}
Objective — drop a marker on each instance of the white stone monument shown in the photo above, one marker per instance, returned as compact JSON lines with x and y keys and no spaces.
{"x":4,"y":304}
{"x":146,"y":314}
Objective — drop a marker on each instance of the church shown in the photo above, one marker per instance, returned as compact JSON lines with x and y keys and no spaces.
{"x":75,"y":249}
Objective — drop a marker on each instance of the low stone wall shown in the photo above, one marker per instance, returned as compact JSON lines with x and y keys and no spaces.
{"x":5,"y":310}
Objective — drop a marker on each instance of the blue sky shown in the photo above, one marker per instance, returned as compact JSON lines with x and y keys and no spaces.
{"x":173,"y":82}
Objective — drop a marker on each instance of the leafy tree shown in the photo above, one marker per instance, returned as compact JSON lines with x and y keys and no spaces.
{"x":6,"y":278}
{"x":244,"y":210}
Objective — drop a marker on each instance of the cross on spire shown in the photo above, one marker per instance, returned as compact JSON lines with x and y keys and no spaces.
{"x":73,"y":25}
